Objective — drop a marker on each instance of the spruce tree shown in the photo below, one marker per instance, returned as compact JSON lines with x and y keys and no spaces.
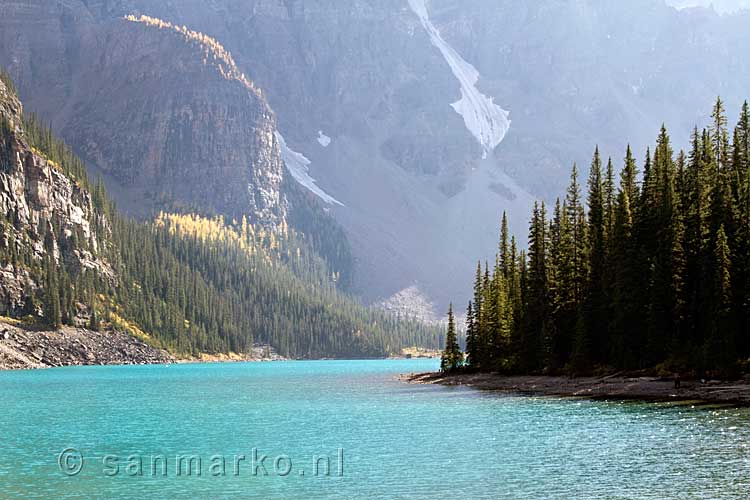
{"x":506,"y":263}
{"x":452,"y":356}
{"x":537,"y":314}
{"x":719,"y":349}
{"x":625,"y":329}
{"x":472,"y":355}
{"x":52,"y":308}
{"x":657,"y":273}
{"x":591,"y":341}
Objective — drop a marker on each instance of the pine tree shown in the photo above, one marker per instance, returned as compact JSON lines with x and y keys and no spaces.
{"x":591,"y":340}
{"x":52,"y":308}
{"x":506,"y":263}
{"x":625,"y":329}
{"x":537,"y":315}
{"x":452,"y":356}
{"x":741,"y":193}
{"x":657,"y":273}
{"x":577,"y":252}
{"x":719,"y":134}
{"x":93,"y":316}
{"x":721,"y":341}
{"x":480,"y":330}
{"x":696,"y":199}
{"x":667,"y":292}
{"x":472,"y":355}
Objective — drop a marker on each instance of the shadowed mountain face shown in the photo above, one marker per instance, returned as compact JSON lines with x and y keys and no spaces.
{"x":161,"y":111}
{"x":388,"y":100}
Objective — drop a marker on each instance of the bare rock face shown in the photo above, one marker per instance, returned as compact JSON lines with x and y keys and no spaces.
{"x":45,"y":212}
{"x":166,"y":112}
{"x":14,"y":288}
{"x":161,"y":112}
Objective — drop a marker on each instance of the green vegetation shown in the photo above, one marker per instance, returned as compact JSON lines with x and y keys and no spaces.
{"x":651,"y":275}
{"x":42,"y":139}
{"x":191,"y":284}
{"x":452,"y":356}
{"x":321,"y":232}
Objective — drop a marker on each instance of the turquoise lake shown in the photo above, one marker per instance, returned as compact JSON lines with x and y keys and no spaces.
{"x":373,"y":436}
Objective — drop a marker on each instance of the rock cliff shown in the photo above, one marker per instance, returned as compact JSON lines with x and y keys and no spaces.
{"x":162,"y":112}
{"x":45,"y":214}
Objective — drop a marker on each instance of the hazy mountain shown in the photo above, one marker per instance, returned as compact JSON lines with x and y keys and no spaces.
{"x":417,"y":123}
{"x":723,"y":6}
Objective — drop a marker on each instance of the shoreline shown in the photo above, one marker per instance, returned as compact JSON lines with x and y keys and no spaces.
{"x":26,"y":348}
{"x":615,"y":387}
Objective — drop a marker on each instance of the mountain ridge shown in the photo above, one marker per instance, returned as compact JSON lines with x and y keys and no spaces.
{"x":366,"y":78}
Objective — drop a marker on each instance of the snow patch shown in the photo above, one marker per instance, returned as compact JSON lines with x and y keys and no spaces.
{"x":299,"y":166}
{"x":487,"y":121}
{"x":323,"y":139}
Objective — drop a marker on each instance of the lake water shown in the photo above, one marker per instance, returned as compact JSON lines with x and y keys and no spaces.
{"x":373,"y":437}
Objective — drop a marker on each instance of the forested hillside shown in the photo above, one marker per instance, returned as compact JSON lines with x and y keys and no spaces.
{"x":653,"y":273}
{"x":186,"y":283}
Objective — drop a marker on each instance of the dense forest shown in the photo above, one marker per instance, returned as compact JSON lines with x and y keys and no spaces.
{"x":192,"y":284}
{"x":648,"y":273}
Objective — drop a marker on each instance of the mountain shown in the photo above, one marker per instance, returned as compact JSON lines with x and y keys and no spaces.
{"x":723,"y":6}
{"x":183,"y":282}
{"x":47,"y":214}
{"x":414,"y":123}
{"x":188,"y":130}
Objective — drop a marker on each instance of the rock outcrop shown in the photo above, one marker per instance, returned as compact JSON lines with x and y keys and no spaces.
{"x":166,"y":112}
{"x":161,"y":112}
{"x":45,"y":214}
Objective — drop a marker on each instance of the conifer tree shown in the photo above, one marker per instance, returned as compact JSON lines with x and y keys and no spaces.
{"x":654,"y":273}
{"x":472,"y":355}
{"x":720,"y":345}
{"x":625,"y":340}
{"x":452,"y":356}
{"x":667,"y":287}
{"x":52,"y":308}
{"x":505,"y":259}
{"x":535,"y":331}
{"x":592,"y":334}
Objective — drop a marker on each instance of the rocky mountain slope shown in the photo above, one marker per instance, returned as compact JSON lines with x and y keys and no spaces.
{"x":165,"y":113}
{"x":397,"y":106}
{"x":45,"y":215}
{"x":182,"y":282}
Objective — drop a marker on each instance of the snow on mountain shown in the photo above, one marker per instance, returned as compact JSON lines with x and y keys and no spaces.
{"x":323,"y":139}
{"x":299,"y":167}
{"x":487,"y":121}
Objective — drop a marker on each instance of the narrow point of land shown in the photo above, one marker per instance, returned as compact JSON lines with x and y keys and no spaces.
{"x":618,"y":387}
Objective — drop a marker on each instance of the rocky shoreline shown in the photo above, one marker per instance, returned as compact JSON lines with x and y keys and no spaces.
{"x":616,"y":387}
{"x":27,"y":348}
